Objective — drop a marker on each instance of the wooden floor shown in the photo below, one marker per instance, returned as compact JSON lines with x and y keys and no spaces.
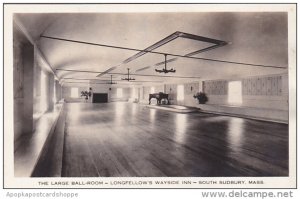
{"x":125,"y":139}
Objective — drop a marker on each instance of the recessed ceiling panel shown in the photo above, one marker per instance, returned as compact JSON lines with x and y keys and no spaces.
{"x":183,"y":46}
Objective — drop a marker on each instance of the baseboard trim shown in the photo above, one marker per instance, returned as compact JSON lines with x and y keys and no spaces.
{"x":246,"y":116}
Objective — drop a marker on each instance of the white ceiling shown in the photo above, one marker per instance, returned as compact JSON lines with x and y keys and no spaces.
{"x":258,"y":38}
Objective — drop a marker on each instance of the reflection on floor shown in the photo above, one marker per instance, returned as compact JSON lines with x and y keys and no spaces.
{"x":125,"y":139}
{"x":175,"y":108}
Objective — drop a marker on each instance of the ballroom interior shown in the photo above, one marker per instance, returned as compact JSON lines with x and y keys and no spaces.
{"x":171,"y":94}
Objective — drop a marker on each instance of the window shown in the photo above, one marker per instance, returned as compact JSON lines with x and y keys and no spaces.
{"x":180,"y":92}
{"x":133,"y":94}
{"x":119,"y":92}
{"x":74,"y":92}
{"x":43,"y":91}
{"x":54,"y":91}
{"x":235,"y":93}
{"x":152,"y":90}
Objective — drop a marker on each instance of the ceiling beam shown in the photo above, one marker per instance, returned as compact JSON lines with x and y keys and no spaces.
{"x":143,"y":75}
{"x":97,"y":83}
{"x":189,"y":54}
{"x":161,"y":53}
{"x":152,"y":47}
{"x":104,"y":80}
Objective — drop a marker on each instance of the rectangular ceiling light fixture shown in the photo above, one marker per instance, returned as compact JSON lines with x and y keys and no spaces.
{"x":215,"y":44}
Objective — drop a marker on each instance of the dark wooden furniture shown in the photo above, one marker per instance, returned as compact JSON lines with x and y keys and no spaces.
{"x":158,"y":96}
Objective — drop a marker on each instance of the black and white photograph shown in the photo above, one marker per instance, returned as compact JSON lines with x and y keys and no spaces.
{"x":149,"y":96}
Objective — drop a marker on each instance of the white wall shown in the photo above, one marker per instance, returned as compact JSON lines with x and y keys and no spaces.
{"x":58,"y":91}
{"x":111,"y":91}
{"x":126,"y":94}
{"x":256,"y":103}
{"x":190,"y":89}
{"x":23,"y":62}
{"x":256,"y":98}
{"x":66,"y":93}
{"x":263,"y":97}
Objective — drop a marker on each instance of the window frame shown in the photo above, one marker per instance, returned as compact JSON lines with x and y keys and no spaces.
{"x":236,"y":100}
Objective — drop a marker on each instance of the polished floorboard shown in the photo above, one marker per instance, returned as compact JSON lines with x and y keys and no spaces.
{"x":123,"y":139}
